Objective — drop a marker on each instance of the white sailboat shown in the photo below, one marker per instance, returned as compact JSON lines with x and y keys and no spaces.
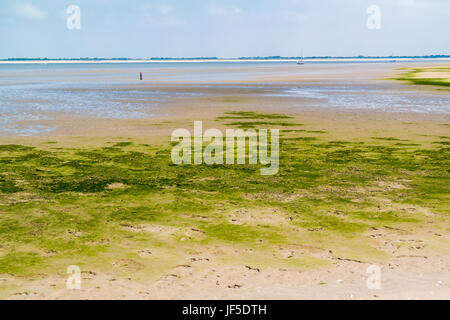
{"x":301,"y":61}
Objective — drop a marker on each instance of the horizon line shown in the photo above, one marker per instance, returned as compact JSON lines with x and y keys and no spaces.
{"x":221,"y":58}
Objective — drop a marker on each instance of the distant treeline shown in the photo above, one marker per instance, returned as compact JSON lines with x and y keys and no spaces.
{"x":196,"y":58}
{"x":434,"y":56}
{"x":64,"y":59}
{"x":354,"y":57}
{"x":103,"y":59}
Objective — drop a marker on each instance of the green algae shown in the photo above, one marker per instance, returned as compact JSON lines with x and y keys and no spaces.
{"x":86,"y":204}
{"x":411,"y":77}
{"x":252,"y":115}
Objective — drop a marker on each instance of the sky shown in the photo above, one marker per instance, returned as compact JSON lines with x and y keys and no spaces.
{"x":227,"y":28}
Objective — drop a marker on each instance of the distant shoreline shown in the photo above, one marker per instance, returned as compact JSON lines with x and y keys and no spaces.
{"x":118,"y":61}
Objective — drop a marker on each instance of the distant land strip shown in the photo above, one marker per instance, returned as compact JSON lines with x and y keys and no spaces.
{"x":216,"y":59}
{"x":240,"y":58}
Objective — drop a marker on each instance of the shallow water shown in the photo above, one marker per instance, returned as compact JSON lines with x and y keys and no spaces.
{"x":380,"y":98}
{"x":41,"y":92}
{"x":44,"y":101}
{"x":30,"y":92}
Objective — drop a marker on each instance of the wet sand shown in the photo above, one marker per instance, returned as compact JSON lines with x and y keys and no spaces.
{"x":89,"y":105}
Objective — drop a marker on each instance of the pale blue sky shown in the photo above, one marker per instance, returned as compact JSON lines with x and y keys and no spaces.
{"x":227,"y":28}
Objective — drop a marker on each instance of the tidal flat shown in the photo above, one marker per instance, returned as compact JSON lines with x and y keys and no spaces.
{"x":123,"y":208}
{"x":355,"y":188}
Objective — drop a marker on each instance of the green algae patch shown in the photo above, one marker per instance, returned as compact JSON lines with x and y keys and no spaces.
{"x":240,"y":233}
{"x":20,"y":263}
{"x":258,"y":124}
{"x":415,"y":76}
{"x":252,"y":115}
{"x":253,"y":120}
{"x":117,"y":205}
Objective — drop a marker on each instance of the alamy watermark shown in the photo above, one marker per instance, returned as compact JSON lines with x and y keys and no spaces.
{"x":373,"y":282}
{"x":374,"y":19}
{"x":74,"y":280}
{"x":74,"y":19}
{"x":229,"y":149}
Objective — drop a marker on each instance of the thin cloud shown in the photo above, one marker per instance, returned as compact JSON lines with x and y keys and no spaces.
{"x":413,"y":4}
{"x":160,"y":15}
{"x":29,"y":11}
{"x":226,"y":11}
{"x":164,"y":9}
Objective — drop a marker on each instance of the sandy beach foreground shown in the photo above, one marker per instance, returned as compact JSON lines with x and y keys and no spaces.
{"x":358,"y":187}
